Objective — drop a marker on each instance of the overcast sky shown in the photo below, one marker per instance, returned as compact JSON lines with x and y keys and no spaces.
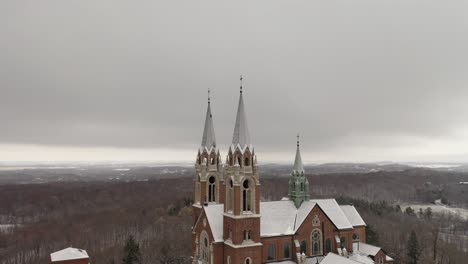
{"x":127,"y":80}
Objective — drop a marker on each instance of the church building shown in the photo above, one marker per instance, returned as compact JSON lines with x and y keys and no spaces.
{"x":231,"y":225}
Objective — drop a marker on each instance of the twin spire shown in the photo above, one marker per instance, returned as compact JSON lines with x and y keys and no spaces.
{"x":209,"y":138}
{"x":241,"y":134}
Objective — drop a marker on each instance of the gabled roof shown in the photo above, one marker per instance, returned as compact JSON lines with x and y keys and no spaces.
{"x":333,"y":258}
{"x":280,"y":217}
{"x":209,"y":138}
{"x":241,"y":134}
{"x":367,"y":249}
{"x":68,"y":254}
{"x":352,"y":215}
{"x":214,"y":215}
{"x":331,"y":208}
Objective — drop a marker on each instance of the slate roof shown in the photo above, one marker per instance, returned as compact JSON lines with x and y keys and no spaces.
{"x":333,"y":258}
{"x":241,"y":134}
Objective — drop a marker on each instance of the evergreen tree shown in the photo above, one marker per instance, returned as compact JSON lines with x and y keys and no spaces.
{"x":131,"y":252}
{"x":371,"y":236}
{"x":413,"y":248}
{"x":409,"y":210}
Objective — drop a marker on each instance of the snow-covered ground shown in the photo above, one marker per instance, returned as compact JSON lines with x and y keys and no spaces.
{"x":438,"y":207}
{"x":6,"y":228}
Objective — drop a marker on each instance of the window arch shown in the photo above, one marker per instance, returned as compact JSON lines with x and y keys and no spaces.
{"x":204,"y":247}
{"x":304,"y":247}
{"x":212,"y":189}
{"x":247,"y":161}
{"x":316,"y":241}
{"x":248,"y":261}
{"x":247,"y":196}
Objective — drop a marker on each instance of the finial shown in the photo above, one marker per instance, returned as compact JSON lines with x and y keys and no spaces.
{"x":208,"y":95}
{"x":241,"y":83}
{"x":298,"y":139}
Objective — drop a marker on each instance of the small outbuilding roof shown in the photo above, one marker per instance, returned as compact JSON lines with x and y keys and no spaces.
{"x":68,"y":254}
{"x":333,"y":258}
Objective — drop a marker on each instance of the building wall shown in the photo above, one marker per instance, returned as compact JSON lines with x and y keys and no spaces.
{"x":74,"y":261}
{"x":361,"y":232}
{"x":326,"y":226}
{"x":278,"y":243}
{"x":238,"y":255}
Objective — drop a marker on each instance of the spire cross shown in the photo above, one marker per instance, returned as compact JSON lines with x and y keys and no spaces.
{"x":241,"y":83}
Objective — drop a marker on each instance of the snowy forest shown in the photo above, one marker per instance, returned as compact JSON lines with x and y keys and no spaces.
{"x":101,"y":216}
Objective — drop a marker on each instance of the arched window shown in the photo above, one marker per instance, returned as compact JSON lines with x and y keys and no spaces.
{"x":213,"y":161}
{"x":248,"y":261}
{"x":316,"y":242}
{"x":302,"y":186}
{"x":343,"y":242}
{"x":230,"y":199}
{"x":287,"y":250}
{"x":327,"y":246}
{"x":228,"y":259}
{"x":246,"y":196}
{"x":247,"y":161}
{"x":204,"y":248}
{"x":304,"y":247}
{"x":239,"y":161}
{"x":212,"y":189}
{"x":247,"y":235}
{"x":271,"y":252}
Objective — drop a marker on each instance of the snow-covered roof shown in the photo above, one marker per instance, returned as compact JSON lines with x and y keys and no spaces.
{"x":209,"y":138}
{"x":360,"y":257}
{"x":367,"y":249}
{"x":302,"y":212}
{"x":68,"y":254}
{"x":241,"y":134}
{"x":214,"y":215}
{"x":278,"y":218}
{"x":353,"y":216}
{"x":333,"y":258}
{"x":331,"y":208}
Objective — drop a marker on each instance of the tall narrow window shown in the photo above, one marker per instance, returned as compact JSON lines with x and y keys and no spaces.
{"x":246,"y":197}
{"x":239,"y":161}
{"x":247,"y":235}
{"x":304,"y":247}
{"x":316,"y":242}
{"x":328,"y":246}
{"x":247,"y":161}
{"x":343,"y":242}
{"x":230,"y":202}
{"x":287,"y":249}
{"x":271,"y":252}
{"x":212,"y":189}
{"x":204,"y":248}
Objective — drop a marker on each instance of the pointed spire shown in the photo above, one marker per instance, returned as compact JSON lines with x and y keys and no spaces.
{"x":209,"y":138}
{"x":298,"y":166}
{"x":241,"y":132}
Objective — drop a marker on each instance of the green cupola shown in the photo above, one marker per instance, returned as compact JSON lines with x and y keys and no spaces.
{"x":298,"y":183}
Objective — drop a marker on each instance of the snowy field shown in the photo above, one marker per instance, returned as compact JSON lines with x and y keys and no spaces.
{"x":6,"y":228}
{"x":438,"y":208}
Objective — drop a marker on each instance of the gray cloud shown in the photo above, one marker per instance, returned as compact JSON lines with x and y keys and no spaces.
{"x":360,"y":74}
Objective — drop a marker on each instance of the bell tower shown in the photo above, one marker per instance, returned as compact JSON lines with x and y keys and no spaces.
{"x":208,"y":168}
{"x":242,"y":203}
{"x":298,"y":183}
